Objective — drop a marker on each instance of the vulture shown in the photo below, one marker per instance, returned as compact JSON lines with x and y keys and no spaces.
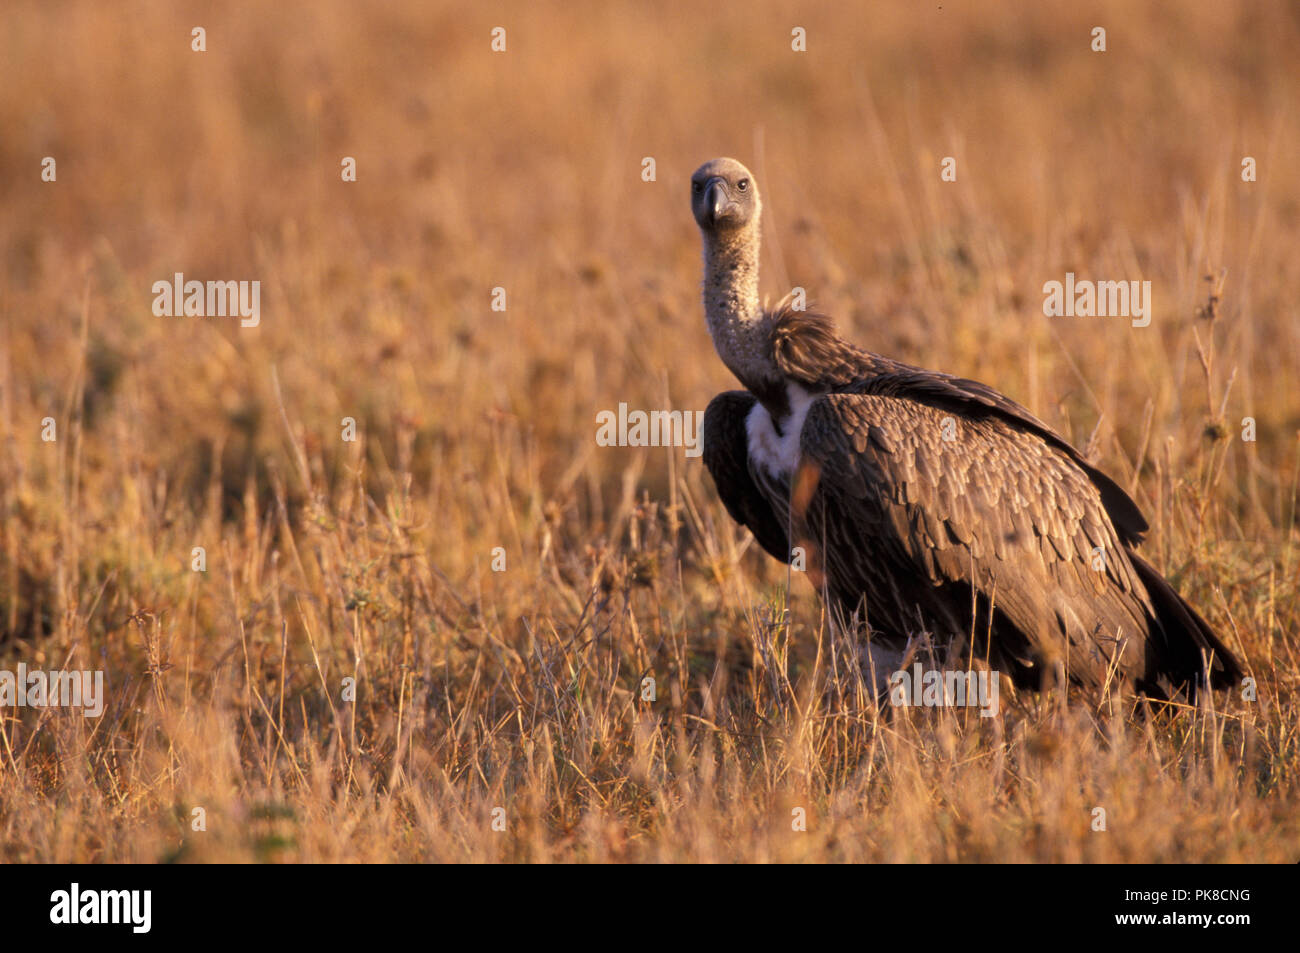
{"x":928,"y":506}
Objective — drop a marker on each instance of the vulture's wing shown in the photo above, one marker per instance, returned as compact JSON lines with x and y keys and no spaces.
{"x":917,"y":504}
{"x":973,"y":399}
{"x":726,"y":454}
{"x":806,"y":349}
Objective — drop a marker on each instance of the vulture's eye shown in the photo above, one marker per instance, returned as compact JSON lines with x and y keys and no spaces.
{"x":742,"y":184}
{"x":697,"y":188}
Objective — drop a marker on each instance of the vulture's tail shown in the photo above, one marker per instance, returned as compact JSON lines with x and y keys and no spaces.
{"x":1182,"y":646}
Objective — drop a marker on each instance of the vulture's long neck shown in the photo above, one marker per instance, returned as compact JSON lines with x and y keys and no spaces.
{"x":736,"y":320}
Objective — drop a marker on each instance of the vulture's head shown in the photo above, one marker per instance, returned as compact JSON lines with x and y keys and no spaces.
{"x":724,"y":196}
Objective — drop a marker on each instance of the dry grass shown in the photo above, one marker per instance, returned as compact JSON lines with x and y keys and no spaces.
{"x":520,"y":689}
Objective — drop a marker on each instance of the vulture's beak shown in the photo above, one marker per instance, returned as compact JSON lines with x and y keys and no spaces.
{"x":717,"y":200}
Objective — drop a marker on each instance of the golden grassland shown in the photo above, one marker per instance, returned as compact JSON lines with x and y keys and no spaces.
{"x":371,"y":560}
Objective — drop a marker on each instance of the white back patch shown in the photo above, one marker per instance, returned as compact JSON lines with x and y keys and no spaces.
{"x":778,"y":454}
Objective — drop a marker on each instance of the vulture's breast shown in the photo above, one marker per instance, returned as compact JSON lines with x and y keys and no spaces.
{"x":774,"y":440}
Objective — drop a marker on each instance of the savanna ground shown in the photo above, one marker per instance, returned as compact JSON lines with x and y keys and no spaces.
{"x":372,"y":560}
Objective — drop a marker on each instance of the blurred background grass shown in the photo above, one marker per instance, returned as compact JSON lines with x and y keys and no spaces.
{"x":523,"y":170}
